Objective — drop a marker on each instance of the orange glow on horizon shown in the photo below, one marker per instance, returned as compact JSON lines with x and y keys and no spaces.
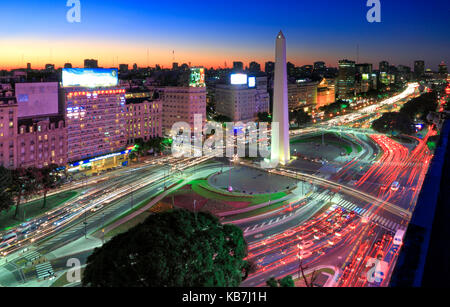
{"x":17,"y":52}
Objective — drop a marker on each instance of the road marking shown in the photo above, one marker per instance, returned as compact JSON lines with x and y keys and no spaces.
{"x":270,"y":222}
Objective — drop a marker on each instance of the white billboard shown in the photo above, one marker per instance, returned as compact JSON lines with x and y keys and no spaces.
{"x":238,"y":79}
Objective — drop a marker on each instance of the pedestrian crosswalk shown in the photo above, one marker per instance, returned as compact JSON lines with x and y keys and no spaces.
{"x":382,"y":221}
{"x":31,"y":256}
{"x":44,"y":270}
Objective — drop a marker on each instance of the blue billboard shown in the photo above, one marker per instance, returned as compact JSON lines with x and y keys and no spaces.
{"x":89,"y":77}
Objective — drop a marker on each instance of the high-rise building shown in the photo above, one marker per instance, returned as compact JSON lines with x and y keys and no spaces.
{"x":28,"y":66}
{"x":383,"y":66}
{"x":175,"y":66}
{"x":319,"y":66}
{"x":90,"y":63}
{"x":123,"y":68}
{"x":345,"y":81}
{"x":68,"y":65}
{"x":419,"y":68}
{"x":242,"y":101}
{"x":94,"y":113}
{"x":363,"y":68}
{"x":269,"y":67}
{"x":443,"y":68}
{"x":280,"y":146}
{"x":254,"y":67}
{"x":238,"y":66}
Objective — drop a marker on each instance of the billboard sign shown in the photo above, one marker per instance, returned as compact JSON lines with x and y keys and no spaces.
{"x":238,"y":79}
{"x":37,"y":99}
{"x":197,"y":78}
{"x":89,"y":77}
{"x":251,"y":81}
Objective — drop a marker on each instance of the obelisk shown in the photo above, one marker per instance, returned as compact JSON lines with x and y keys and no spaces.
{"x":280,"y":148}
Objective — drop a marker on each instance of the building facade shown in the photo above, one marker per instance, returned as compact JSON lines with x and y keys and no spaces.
{"x":95,"y":121}
{"x":143,"y":119}
{"x":242,"y":102}
{"x":181,"y":104}
{"x":345,"y":82}
{"x":42,"y":143}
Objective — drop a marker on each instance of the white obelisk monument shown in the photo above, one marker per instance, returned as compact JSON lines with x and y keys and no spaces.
{"x":280,"y":148}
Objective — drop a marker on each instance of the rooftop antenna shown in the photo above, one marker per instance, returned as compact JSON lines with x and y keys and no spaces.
{"x":148,"y":58}
{"x":173,"y":55}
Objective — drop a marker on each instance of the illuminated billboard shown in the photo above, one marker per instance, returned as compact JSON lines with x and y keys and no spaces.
{"x":251,"y":81}
{"x":89,"y":77}
{"x":365,"y":77}
{"x":197,"y":78}
{"x":238,"y":79}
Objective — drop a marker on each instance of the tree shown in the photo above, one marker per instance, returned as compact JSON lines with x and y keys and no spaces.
{"x":284,"y":282}
{"x":47,"y":179}
{"x":393,"y":123}
{"x":264,"y":117}
{"x":6,"y":201}
{"x":176,"y":248}
{"x":301,"y":117}
{"x":23,"y":186}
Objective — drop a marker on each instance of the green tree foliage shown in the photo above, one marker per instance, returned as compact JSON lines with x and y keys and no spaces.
{"x":393,"y":123}
{"x":47,"y":179}
{"x":171,"y":249}
{"x":284,"y":282}
{"x":419,"y":107}
{"x":300,"y":117}
{"x":264,"y":117}
{"x":6,"y":201}
{"x":23,"y":185}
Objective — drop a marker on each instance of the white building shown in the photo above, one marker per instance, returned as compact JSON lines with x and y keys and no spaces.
{"x":243,"y":101}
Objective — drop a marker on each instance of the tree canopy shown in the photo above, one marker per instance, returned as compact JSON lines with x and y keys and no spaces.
{"x":178,"y":248}
{"x":393,"y":123}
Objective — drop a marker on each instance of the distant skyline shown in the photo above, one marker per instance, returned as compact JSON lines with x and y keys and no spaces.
{"x":209,"y":34}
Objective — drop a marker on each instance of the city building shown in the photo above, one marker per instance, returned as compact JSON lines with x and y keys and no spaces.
{"x":181,"y":104}
{"x":238,"y":66}
{"x":345,"y":82}
{"x":242,"y":98}
{"x":8,"y":129}
{"x":326,"y":93}
{"x":269,"y":67}
{"x":443,"y":68}
{"x":419,"y":69}
{"x":41,"y":143}
{"x":68,"y":65}
{"x":143,"y":118}
{"x":123,"y":68}
{"x":383,"y":66}
{"x":254,"y":67}
{"x":37,"y":99}
{"x":302,"y":95}
{"x":95,"y":117}
{"x":90,"y":63}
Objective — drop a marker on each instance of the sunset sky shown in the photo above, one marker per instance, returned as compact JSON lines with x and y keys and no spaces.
{"x":210,"y":33}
